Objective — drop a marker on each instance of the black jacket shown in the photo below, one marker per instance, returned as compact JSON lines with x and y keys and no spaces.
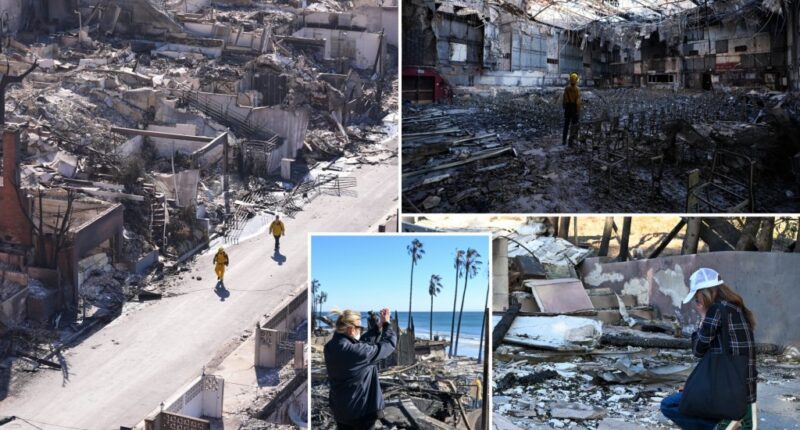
{"x":353,"y":374}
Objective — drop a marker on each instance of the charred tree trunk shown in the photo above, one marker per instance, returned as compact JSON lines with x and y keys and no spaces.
{"x":563,"y":227}
{"x":764,"y":236}
{"x":692,"y":238}
{"x":747,"y":241}
{"x":607,"y":230}
{"x":625,"y":239}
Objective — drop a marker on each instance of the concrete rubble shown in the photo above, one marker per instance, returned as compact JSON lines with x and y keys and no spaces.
{"x":607,"y":364}
{"x":141,"y":133}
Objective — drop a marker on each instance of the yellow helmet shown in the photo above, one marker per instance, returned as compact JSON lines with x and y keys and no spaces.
{"x":573,"y":77}
{"x":220,"y":249}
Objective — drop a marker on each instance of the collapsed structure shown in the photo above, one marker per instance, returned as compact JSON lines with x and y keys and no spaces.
{"x":590,"y":332}
{"x":604,"y":347}
{"x":139,"y":131}
{"x":688,"y":103}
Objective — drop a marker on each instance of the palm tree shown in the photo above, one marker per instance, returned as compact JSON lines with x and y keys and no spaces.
{"x":315,"y":285}
{"x":434,"y":288}
{"x":459,"y":265}
{"x":471,"y":265}
{"x":323,"y":297}
{"x":416,"y":252}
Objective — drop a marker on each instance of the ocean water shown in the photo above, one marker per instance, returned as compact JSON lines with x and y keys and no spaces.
{"x":469,"y":340}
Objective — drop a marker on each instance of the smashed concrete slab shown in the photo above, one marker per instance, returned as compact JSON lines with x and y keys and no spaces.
{"x":560,"y":333}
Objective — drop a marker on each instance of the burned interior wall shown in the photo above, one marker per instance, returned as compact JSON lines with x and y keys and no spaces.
{"x":373,"y":19}
{"x":525,"y":47}
{"x":793,"y":46}
{"x":746,"y":49}
{"x":419,"y":39}
{"x":766,"y":281}
{"x":459,"y":46}
{"x":363,"y":48}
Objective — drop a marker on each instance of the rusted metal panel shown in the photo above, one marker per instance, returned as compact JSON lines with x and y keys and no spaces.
{"x":766,"y":280}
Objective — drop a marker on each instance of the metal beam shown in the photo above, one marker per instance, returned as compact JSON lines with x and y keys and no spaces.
{"x":165,"y":135}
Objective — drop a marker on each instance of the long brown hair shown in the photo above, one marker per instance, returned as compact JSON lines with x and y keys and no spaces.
{"x":708,"y":296}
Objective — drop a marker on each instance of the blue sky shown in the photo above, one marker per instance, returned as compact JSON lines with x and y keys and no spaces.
{"x":370,"y":272}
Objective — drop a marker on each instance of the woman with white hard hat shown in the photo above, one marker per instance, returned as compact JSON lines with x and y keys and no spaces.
{"x":721,"y":392}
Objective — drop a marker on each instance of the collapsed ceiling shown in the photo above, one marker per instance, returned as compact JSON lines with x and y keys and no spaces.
{"x":623,"y":14}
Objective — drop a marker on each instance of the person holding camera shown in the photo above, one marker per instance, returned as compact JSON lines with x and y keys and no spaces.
{"x":352,"y":363}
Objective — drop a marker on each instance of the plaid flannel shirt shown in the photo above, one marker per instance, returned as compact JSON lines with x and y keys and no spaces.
{"x":708,"y":338}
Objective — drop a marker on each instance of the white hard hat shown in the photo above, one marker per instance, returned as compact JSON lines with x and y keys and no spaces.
{"x":702,"y":278}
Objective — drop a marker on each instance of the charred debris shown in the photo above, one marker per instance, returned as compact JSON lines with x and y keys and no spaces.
{"x":591,"y":333}
{"x":423,"y":388}
{"x":686,"y":108}
{"x":138,"y":132}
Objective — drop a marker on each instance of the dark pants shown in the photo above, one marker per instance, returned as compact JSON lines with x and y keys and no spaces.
{"x":366,"y":424}
{"x":570,"y":117}
{"x":670,"y":409}
{"x":277,"y":241}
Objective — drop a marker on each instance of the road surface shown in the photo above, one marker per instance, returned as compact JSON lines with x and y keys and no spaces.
{"x":124,"y":371}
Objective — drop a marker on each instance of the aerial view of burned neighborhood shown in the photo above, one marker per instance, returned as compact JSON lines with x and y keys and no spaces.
{"x":400,"y":333}
{"x":609,"y":106}
{"x":601,"y":322}
{"x":162,"y":163}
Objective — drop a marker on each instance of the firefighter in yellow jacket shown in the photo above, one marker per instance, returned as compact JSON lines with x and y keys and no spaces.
{"x":277,"y":229}
{"x":220,"y":262}
{"x":572,"y":106}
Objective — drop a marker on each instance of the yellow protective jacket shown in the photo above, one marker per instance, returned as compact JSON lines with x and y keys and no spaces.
{"x":277,"y":228}
{"x":572,"y":95}
{"x":221,"y":258}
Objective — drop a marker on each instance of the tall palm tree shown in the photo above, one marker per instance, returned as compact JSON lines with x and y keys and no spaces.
{"x":315,"y":286}
{"x":434,"y":288}
{"x":471,"y":266}
{"x":459,"y":266}
{"x":416,"y":252}
{"x":323,"y":297}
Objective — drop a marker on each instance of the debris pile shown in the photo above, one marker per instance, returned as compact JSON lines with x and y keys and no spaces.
{"x":631,"y":151}
{"x":434,"y":392}
{"x":601,"y":345}
{"x":148,"y":130}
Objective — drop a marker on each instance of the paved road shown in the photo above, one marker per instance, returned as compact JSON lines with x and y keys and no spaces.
{"x":124,"y":371}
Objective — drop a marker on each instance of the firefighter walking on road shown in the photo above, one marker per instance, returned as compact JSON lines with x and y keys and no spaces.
{"x":572,"y":107}
{"x":220,"y":262}
{"x":277,"y":229}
